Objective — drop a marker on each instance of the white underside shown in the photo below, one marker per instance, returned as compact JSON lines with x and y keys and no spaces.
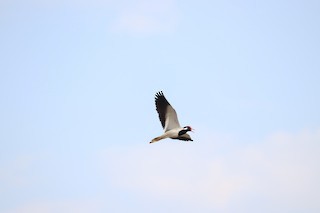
{"x":173,"y":133}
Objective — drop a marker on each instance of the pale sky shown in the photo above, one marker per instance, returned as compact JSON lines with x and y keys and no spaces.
{"x":77,"y":111}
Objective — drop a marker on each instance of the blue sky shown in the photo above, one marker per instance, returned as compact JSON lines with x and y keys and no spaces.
{"x":77,"y":111}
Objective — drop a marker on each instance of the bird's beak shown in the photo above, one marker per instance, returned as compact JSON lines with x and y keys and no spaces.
{"x":192,"y":130}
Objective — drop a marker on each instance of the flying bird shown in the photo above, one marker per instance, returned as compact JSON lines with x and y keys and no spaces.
{"x":169,"y":120}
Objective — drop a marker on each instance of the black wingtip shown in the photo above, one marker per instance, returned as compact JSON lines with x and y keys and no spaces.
{"x":159,"y":94}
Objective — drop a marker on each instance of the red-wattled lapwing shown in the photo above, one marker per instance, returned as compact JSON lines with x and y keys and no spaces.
{"x":169,"y":121}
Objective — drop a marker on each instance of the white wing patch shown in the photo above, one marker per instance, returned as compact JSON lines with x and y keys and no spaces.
{"x":172,"y":121}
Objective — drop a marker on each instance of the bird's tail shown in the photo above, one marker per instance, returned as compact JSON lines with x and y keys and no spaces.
{"x":157,"y":139}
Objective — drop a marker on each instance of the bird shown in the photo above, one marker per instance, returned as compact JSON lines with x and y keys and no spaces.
{"x":169,"y":121}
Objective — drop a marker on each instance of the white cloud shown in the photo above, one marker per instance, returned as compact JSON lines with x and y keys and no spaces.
{"x":146,"y":17}
{"x":278,"y":174}
{"x":286,"y":170}
{"x":140,"y":17}
{"x":281,"y":171}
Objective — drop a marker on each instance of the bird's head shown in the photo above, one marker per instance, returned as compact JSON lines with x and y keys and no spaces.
{"x":188,"y":128}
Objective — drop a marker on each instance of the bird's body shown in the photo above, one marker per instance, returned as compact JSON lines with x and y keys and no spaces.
{"x":169,"y":120}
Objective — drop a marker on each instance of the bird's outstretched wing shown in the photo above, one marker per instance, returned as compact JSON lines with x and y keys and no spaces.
{"x":167,"y":114}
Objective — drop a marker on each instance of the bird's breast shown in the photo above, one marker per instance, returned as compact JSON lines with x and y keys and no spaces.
{"x":173,"y":133}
